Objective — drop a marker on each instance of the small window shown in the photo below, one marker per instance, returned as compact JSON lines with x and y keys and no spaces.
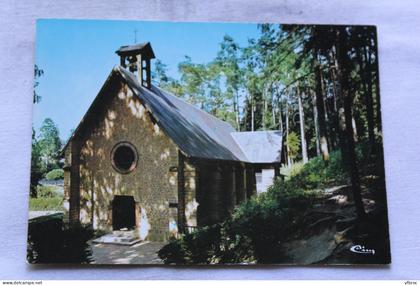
{"x":124,"y":157}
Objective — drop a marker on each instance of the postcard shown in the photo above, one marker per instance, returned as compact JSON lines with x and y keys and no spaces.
{"x":206,"y":143}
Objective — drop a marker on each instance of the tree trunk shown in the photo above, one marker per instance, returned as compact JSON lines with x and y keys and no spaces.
{"x":316,"y":122}
{"x":377,"y":86}
{"x":289,"y":162}
{"x":252,"y":113}
{"x":236,"y":107}
{"x":357,"y":196}
{"x":321,"y":111}
{"x":339,"y":111}
{"x":302,"y":128}
{"x":281,"y":125}
{"x":333,"y":76}
{"x":262,"y":110}
{"x":344,"y":65}
{"x":329,"y":135}
{"x":367,"y":94}
{"x":342,"y":131}
{"x":265,"y":110}
{"x":354,"y":126}
{"x":281,"y":120}
{"x":273,"y":109}
{"x":335,"y":122}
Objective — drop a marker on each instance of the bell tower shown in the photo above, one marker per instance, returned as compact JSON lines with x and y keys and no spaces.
{"x":137,"y":59}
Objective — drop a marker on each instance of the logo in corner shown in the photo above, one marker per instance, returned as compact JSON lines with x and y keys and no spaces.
{"x":361,"y":249}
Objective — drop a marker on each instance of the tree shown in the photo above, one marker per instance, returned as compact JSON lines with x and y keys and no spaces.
{"x":37,"y":73}
{"x":293,"y":145}
{"x":176,"y":88}
{"x":37,"y":170}
{"x":161,"y":79}
{"x":302,"y":127}
{"x":344,"y":63}
{"x":319,"y":99}
{"x":159,"y":74}
{"x":316,"y":127}
{"x":289,"y":70}
{"x":228,"y":60}
{"x":36,"y":167}
{"x":363,"y":39}
{"x":251,"y":85}
{"x":49,"y":145}
{"x":193,"y":80}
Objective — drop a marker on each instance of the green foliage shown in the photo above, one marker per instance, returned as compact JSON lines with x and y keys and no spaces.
{"x":55,"y":174}
{"x":317,"y":174}
{"x":254,"y":232}
{"x":175,"y":88}
{"x":38,"y":72}
{"x":293,"y":144}
{"x":159,"y":73}
{"x":46,"y":204}
{"x":214,"y":86}
{"x":37,"y":170}
{"x":193,"y":79}
{"x":257,"y":228}
{"x":45,"y":153}
{"x":161,"y":79}
{"x":49,"y":191}
{"x":196,"y":247}
{"x":51,"y":242}
{"x":49,"y":198}
{"x":49,"y":144}
{"x":228,"y":62}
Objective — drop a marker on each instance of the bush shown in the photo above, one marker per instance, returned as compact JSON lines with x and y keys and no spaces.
{"x":197,"y":247}
{"x":254,"y":232}
{"x":51,"y":242}
{"x":55,"y":174}
{"x":257,"y":228}
{"x":49,"y":191}
{"x":317,"y":174}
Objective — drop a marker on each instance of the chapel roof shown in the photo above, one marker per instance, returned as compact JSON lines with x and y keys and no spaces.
{"x":197,"y":133}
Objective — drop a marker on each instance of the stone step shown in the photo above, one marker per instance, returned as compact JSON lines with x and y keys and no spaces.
{"x":118,"y":237}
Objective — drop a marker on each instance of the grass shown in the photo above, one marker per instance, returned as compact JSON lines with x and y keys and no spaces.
{"x":46,"y":204}
{"x":50,"y":198}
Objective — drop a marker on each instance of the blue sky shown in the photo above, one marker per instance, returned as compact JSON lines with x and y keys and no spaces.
{"x":78,"y":55}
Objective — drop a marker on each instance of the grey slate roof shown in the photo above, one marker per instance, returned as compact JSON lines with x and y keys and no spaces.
{"x":260,"y":147}
{"x":197,"y":133}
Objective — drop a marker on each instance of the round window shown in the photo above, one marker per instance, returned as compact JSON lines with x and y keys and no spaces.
{"x":124,"y":157}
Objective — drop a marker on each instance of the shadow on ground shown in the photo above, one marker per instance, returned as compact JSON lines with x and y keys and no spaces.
{"x":140,"y":253}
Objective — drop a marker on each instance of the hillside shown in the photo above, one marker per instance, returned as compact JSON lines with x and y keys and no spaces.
{"x":307,"y":219}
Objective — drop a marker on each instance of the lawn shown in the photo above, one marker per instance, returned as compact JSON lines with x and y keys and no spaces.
{"x":50,"y":198}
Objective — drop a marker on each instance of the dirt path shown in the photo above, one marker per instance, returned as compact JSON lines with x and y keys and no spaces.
{"x":333,"y":228}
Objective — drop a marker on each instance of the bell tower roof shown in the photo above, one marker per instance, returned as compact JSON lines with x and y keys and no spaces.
{"x":145,"y":49}
{"x":136,"y":58}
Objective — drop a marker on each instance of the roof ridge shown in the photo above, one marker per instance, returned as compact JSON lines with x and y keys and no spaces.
{"x":195,"y":132}
{"x":194,"y":106}
{"x":197,"y":109}
{"x":212,"y":127}
{"x":262,"y":131}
